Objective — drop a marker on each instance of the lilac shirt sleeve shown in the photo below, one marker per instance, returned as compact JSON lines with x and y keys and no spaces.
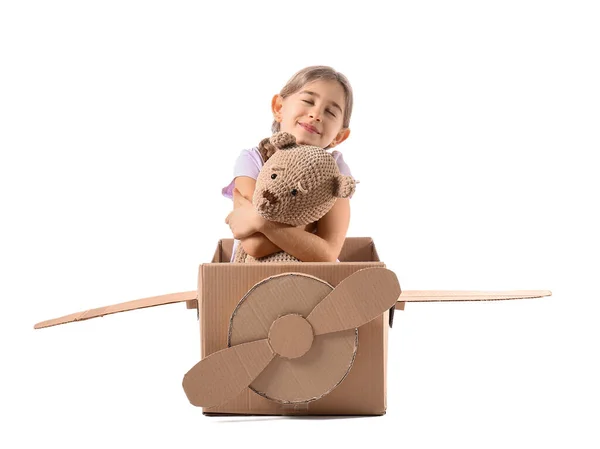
{"x":248,"y":163}
{"x":339,"y":160}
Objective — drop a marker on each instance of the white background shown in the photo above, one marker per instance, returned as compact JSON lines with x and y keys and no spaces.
{"x":475,"y":137}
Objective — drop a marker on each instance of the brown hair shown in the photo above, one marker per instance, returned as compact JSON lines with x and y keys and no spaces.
{"x":314,"y":73}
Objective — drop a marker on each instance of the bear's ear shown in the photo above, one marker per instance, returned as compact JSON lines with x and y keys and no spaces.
{"x":283,"y":140}
{"x":344,"y":186}
{"x":266,"y":149}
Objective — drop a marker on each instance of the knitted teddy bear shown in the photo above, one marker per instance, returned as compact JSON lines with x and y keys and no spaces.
{"x":297,"y":185}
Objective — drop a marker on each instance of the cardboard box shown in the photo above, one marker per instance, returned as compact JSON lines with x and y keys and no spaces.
{"x":251,"y":312}
{"x":221,"y":285}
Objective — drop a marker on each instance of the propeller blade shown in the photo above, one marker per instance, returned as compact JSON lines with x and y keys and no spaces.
{"x":224,"y":374}
{"x":361,"y":297}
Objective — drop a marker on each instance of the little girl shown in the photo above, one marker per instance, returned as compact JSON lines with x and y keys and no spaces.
{"x":315,"y":106}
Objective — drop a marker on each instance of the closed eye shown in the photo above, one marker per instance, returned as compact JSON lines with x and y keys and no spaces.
{"x":330,"y":112}
{"x":308,"y":102}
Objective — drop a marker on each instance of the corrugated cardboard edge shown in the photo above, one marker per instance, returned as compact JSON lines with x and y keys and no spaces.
{"x":143,"y":303}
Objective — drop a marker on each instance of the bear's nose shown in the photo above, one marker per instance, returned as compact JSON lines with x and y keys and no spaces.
{"x":269,"y":196}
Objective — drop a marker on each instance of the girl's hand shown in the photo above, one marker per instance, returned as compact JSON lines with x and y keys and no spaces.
{"x":244,"y":220}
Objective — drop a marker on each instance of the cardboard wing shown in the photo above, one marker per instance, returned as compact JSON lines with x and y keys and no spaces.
{"x":469,"y":295}
{"x":466,"y":295}
{"x":191,"y":296}
{"x":153,"y":301}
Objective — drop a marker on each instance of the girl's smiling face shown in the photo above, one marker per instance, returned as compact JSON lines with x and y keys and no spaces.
{"x":314,"y":114}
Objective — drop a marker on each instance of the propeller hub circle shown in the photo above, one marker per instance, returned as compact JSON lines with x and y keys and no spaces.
{"x":291,"y":336}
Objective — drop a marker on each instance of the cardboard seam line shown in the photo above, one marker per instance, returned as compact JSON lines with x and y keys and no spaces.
{"x":143,"y":303}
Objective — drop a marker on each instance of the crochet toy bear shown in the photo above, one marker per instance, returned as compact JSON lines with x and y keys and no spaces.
{"x":297,"y":185}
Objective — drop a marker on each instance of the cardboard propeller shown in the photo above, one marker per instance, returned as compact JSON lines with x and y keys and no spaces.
{"x":292,"y":336}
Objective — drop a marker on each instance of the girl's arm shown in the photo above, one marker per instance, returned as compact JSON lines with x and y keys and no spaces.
{"x":324,"y":246}
{"x":257,"y":245}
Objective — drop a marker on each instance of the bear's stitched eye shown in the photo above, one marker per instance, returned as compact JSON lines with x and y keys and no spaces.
{"x":294,"y":192}
{"x":274,"y":175}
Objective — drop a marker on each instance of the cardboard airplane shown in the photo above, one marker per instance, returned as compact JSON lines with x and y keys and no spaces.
{"x":294,"y":338}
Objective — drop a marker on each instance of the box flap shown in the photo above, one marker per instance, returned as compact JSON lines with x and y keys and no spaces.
{"x":355,"y":249}
{"x":358,"y":249}
{"x":122,"y":307}
{"x":223,"y":252}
